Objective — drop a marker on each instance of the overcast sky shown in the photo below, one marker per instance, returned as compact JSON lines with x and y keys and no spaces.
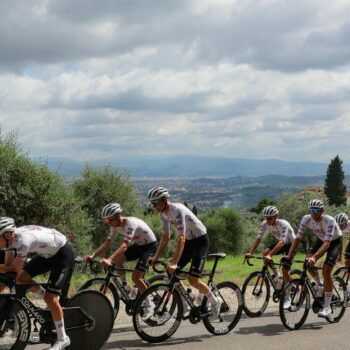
{"x":90,"y":79}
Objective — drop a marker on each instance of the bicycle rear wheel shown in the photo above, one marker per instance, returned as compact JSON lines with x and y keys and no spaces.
{"x":256,"y":294}
{"x":96,"y":306}
{"x":298,"y":294}
{"x":110,"y":291}
{"x":167,"y":314}
{"x":339,"y":300}
{"x":230,"y":312}
{"x":16,"y":331}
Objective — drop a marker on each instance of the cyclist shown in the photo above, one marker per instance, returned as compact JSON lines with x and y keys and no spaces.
{"x":342,"y":220}
{"x":283,"y":234}
{"x":54,"y":254}
{"x":329,"y":240}
{"x":131,"y":229}
{"x":192,"y":243}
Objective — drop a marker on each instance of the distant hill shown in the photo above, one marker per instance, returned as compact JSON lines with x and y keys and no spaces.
{"x":196,"y":166}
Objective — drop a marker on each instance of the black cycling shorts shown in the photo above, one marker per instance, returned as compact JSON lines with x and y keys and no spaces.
{"x":283,"y":250}
{"x":59,"y":266}
{"x":195,"y":250}
{"x":347,"y":251}
{"x":141,"y":252}
{"x":333,"y":252}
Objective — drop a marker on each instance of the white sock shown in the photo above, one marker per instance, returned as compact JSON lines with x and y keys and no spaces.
{"x":327,"y":299}
{"x":61,"y":332}
{"x":212,"y":298}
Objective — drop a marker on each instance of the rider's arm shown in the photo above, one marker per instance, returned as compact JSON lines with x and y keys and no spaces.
{"x":324,"y":247}
{"x":255,"y":245}
{"x":179,"y":249}
{"x":16,"y":266}
{"x":101,"y":249}
{"x":121,"y":250}
{"x":293,"y":247}
{"x":276,"y":248}
{"x":162,"y":245}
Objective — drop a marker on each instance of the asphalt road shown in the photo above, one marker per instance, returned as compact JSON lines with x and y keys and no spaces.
{"x":266,"y":332}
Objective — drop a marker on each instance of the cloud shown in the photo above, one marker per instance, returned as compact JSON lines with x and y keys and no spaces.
{"x":220,"y":78}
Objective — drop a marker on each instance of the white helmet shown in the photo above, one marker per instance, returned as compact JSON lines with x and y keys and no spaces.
{"x":270,"y":211}
{"x":341,"y":218}
{"x":6,"y":225}
{"x":156,"y":193}
{"x":110,"y":210}
{"x":316,"y":203}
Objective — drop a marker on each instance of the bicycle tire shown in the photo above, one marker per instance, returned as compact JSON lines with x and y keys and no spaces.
{"x":231,"y":309}
{"x":300,"y":301}
{"x":98,"y":283}
{"x":16,"y":334}
{"x":167,"y":315}
{"x":341,"y":272}
{"x":97,"y":306}
{"x":339,"y":300}
{"x":256,"y":294}
{"x":157,"y":278}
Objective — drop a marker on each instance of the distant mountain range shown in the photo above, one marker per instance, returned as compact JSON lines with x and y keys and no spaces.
{"x":195,"y":166}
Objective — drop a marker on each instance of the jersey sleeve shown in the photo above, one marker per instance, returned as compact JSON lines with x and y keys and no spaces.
{"x":21,"y":248}
{"x":180,"y":222}
{"x":129,"y":232}
{"x":302,"y":227}
{"x":330,"y":230}
{"x":262,"y":230}
{"x":112,"y":235}
{"x":166,"y":227}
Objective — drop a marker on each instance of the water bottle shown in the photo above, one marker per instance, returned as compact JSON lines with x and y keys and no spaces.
{"x":126,"y":287}
{"x":199,"y":298}
{"x":279,"y":283}
{"x":133,"y":293}
{"x":191,"y":294}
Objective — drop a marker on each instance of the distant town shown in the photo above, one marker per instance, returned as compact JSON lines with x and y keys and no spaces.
{"x":238,"y":191}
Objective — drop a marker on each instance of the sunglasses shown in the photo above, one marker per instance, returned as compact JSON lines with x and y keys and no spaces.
{"x":109,"y":219}
{"x":156,"y":202}
{"x":314,"y":210}
{"x":269,"y":217}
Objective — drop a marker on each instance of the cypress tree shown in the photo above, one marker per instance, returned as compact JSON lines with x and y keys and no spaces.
{"x":335,"y":188}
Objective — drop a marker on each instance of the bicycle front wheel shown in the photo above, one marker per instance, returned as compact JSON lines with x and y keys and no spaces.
{"x":294,"y":304}
{"x":338,"y":301}
{"x":166,"y":317}
{"x":110,"y":291}
{"x":15,"y":330}
{"x":230,"y":312}
{"x":256,"y":294}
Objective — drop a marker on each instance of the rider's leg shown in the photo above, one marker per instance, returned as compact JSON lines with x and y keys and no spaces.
{"x":119,"y":261}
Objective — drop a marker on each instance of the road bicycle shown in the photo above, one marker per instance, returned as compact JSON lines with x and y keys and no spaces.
{"x":88,"y":318}
{"x":344,"y":273}
{"x":168,"y":300}
{"x":298,"y":291}
{"x":256,"y":289}
{"x":112,"y":286}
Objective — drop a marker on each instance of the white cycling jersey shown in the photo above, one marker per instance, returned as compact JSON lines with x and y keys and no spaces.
{"x":135,"y":230}
{"x":185,"y":222}
{"x":326,"y":229}
{"x":44,"y":241}
{"x":346,"y":230}
{"x":282,"y":230}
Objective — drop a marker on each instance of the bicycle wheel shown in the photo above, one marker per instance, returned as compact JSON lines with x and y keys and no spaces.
{"x":96,"y":306}
{"x":341,"y":272}
{"x":256,"y":294}
{"x":230,"y":312}
{"x":16,"y":331}
{"x":157,"y":278}
{"x":110,"y":292}
{"x":167,"y":314}
{"x":339,"y":300}
{"x":299,"y":296}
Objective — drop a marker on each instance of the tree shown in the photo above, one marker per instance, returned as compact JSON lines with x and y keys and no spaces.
{"x":261,"y":205}
{"x":98,"y":186}
{"x":335,"y":188}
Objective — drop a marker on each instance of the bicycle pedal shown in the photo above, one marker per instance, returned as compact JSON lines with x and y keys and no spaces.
{"x":204,"y":314}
